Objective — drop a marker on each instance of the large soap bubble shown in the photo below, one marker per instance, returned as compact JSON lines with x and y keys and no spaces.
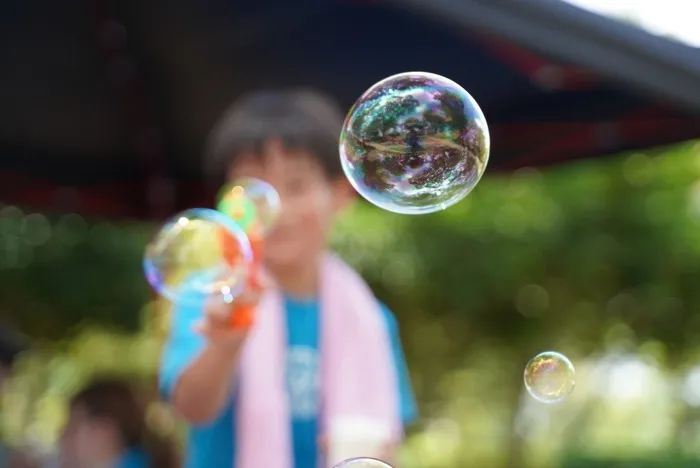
{"x":415,"y":143}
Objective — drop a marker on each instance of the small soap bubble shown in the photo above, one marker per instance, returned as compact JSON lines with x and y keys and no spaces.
{"x":362,"y":463}
{"x":198,"y":253}
{"x":252,"y":203}
{"x":549,"y":377}
{"x":415,"y":143}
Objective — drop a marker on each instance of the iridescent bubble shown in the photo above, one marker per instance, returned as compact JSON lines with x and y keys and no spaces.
{"x":415,"y":143}
{"x":198,"y":253}
{"x":362,"y":463}
{"x":253,"y":203}
{"x":549,"y":377}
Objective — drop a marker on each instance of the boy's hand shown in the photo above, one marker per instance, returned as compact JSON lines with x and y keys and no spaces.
{"x":216,"y":324}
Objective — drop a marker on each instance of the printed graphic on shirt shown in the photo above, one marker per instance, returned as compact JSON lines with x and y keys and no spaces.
{"x":303,"y":382}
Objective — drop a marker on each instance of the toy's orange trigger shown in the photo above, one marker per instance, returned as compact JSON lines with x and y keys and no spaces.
{"x":242,"y":317}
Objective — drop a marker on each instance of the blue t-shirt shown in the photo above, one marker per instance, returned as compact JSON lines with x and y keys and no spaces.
{"x":214,"y":444}
{"x":133,"y":459}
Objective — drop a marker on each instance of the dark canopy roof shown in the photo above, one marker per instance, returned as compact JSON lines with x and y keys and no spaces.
{"x":105,"y":110}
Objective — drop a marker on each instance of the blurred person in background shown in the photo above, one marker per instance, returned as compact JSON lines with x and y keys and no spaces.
{"x":107,"y":428}
{"x":322,"y":348}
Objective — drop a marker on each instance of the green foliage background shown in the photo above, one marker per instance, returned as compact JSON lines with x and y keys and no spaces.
{"x":599,"y":260}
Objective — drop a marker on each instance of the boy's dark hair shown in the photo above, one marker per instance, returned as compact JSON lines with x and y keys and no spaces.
{"x":301,"y":118}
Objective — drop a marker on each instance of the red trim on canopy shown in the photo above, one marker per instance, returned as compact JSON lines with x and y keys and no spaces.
{"x":561,"y":76}
{"x":112,"y":199}
{"x":577,"y":140}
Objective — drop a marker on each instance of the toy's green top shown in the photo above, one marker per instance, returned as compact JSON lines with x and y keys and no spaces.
{"x":240,"y":208}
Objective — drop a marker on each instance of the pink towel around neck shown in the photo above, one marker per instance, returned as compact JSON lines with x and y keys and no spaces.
{"x":358,"y":376}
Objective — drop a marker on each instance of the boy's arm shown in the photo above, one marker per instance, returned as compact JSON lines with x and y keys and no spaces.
{"x":197,"y":373}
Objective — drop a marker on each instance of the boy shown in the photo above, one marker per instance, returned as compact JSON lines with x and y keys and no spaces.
{"x":289,"y":139}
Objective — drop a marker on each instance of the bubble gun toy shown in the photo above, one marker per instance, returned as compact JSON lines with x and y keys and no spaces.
{"x":239,"y":207}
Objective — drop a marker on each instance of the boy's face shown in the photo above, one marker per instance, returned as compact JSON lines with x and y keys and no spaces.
{"x":309,"y":202}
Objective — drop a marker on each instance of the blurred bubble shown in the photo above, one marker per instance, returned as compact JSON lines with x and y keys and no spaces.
{"x":628,"y":378}
{"x":11,"y":219}
{"x":691,"y":388}
{"x":14,"y":253}
{"x":448,"y":430}
{"x":198,"y":253}
{"x":619,"y":336}
{"x":71,"y":229}
{"x":36,"y":229}
{"x":525,"y":181}
{"x":532,"y":300}
{"x":101,"y":236}
{"x":400,"y":272}
{"x":638,"y":169}
{"x":511,"y":220}
{"x":623,"y":304}
{"x":545,"y":215}
{"x":415,"y":143}
{"x":657,"y":204}
{"x":249,"y":201}
{"x":362,"y":463}
{"x":654,"y":353}
{"x":549,"y":377}
{"x":694,"y":200}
